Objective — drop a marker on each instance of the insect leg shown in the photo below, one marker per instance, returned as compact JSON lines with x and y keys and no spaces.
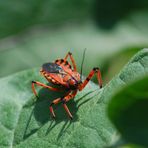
{"x":93,"y":71}
{"x":70,"y":96}
{"x":66,"y":99}
{"x":67,"y":110}
{"x":72,"y":60}
{"x":43,"y":85}
{"x":56,"y":101}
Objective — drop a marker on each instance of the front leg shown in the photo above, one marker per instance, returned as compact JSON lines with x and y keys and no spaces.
{"x":63,"y":100}
{"x":93,"y":71}
{"x":66,"y":99}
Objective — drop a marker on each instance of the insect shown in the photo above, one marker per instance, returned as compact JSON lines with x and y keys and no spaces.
{"x":65,"y":75}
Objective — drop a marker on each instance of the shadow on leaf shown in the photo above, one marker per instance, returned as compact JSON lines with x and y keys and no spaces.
{"x":42,"y":114}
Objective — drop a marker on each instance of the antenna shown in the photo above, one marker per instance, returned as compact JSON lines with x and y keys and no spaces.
{"x":82,"y":63}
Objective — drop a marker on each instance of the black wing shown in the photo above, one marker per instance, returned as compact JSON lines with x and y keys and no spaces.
{"x":51,"y":68}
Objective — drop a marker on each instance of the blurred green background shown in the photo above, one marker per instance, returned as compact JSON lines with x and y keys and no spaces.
{"x":36,"y":31}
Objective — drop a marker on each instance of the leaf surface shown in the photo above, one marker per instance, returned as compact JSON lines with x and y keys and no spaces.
{"x":26,"y":122}
{"x":128,"y":110}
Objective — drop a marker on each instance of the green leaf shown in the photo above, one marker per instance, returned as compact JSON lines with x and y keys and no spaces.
{"x":128,"y":110}
{"x":26,"y":122}
{"x":117,"y":61}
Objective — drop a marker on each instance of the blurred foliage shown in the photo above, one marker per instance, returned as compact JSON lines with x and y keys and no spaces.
{"x":108,"y":12}
{"x":19,"y":15}
{"x":128,"y":109}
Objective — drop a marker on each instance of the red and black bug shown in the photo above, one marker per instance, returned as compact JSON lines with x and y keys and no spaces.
{"x":61,"y":73}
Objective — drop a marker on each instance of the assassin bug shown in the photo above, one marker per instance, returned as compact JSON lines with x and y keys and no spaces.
{"x":61,"y":73}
